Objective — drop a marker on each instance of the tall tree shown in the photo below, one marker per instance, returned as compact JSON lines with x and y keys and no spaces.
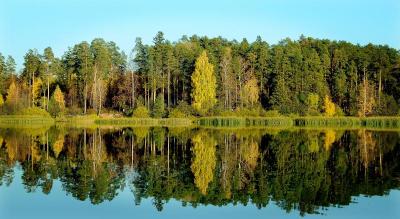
{"x":32,"y":69}
{"x":48,"y":61}
{"x":102,"y":62}
{"x":204,"y":85}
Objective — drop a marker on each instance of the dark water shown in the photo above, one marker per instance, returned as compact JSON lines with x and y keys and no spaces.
{"x":198,"y":173}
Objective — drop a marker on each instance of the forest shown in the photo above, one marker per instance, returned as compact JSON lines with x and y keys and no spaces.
{"x":202,"y":76}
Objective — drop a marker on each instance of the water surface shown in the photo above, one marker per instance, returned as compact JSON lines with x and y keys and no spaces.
{"x":154,"y":172}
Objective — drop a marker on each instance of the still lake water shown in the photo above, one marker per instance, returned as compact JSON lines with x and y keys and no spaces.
{"x":154,"y":172}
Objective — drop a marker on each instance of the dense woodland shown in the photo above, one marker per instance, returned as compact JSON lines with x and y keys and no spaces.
{"x":206,"y":76}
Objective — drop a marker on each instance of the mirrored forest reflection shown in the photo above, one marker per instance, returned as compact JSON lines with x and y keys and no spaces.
{"x":298,"y":169}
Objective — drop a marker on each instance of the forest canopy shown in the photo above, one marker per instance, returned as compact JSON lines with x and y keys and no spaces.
{"x":307,"y":76}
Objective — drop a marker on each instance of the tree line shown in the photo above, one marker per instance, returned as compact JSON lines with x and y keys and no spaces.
{"x":207,"y":76}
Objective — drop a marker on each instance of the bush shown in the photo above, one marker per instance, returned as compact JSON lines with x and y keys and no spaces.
{"x":185,"y":108}
{"x":33,"y":111}
{"x":247,"y":112}
{"x":128,"y":112}
{"x":141,"y":112}
{"x":54,"y":108}
{"x":176,"y":113}
{"x":74,"y":110}
{"x":272,"y":113}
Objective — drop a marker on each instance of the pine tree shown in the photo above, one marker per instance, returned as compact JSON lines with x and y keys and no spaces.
{"x":204,"y":85}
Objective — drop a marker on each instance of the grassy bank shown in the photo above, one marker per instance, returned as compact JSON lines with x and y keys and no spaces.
{"x":303,"y":122}
{"x":227,"y":122}
{"x":21,"y":120}
{"x":245,"y":121}
{"x":144,"y":121}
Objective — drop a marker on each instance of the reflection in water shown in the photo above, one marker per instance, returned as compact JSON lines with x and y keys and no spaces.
{"x":305,"y":170}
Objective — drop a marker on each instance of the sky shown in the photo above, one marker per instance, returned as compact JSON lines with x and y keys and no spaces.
{"x":26,"y":24}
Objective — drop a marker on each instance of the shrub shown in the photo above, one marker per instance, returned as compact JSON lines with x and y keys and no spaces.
{"x":33,"y":111}
{"x":176,"y":113}
{"x":74,"y":110}
{"x":185,"y":108}
{"x":54,"y":108}
{"x":141,"y":112}
{"x":272,"y":113}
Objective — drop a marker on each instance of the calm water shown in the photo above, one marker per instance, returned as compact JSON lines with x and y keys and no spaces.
{"x":157,"y":172}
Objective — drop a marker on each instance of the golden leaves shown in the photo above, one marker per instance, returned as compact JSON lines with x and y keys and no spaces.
{"x":204,"y":85}
{"x":204,"y":160}
{"x":329,"y":106}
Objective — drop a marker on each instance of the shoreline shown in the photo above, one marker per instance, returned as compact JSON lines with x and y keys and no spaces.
{"x":383,"y":122}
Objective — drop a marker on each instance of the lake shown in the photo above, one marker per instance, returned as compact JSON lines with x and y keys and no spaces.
{"x":159,"y":172}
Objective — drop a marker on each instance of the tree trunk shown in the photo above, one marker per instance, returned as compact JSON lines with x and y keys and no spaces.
{"x":365,"y":93}
{"x":95,"y":90}
{"x":168,"y":89}
{"x":133,"y":92}
{"x":85,"y":98}
{"x":48,"y":93}
{"x":380,"y":88}
{"x":33,"y":85}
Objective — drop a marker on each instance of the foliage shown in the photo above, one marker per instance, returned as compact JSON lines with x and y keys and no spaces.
{"x":176,"y":113}
{"x":204,"y":160}
{"x":57,"y":103}
{"x":1,"y":100}
{"x":33,"y":111}
{"x":312,"y":103}
{"x":329,"y":107}
{"x":12,"y":97}
{"x":204,"y":85}
{"x":158,"y":109}
{"x":141,"y":112}
{"x":366,"y":98}
{"x":250,"y":92}
{"x":214,"y":75}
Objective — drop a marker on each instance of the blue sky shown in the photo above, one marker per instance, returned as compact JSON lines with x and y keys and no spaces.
{"x":26,"y":24}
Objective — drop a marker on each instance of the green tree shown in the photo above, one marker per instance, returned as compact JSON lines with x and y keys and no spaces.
{"x":32,"y":69}
{"x":204,"y":85}
{"x":101,"y":64}
{"x":313,"y":103}
{"x":158,"y":110}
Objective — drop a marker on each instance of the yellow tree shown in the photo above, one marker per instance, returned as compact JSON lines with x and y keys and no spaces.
{"x":250,"y":92}
{"x":57,"y":103}
{"x":330,"y":137}
{"x":204,"y":160}
{"x":59,"y":97}
{"x":58,"y":145}
{"x":204,"y":85}
{"x":36,"y":89}
{"x":329,"y":106}
{"x":12,"y":96}
{"x":1,"y":100}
